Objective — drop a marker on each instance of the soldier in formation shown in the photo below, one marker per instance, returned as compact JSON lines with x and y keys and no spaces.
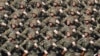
{"x":49,"y":27}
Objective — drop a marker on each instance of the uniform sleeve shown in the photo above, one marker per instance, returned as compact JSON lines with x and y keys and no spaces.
{"x":79,"y":43}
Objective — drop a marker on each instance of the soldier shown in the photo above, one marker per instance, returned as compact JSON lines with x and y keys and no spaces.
{"x":86,"y":42}
{"x":18,"y":50}
{"x":66,"y":43}
{"x":8,"y":46}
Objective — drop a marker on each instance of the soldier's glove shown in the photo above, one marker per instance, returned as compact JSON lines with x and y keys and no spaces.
{"x":5,"y":15}
{"x":73,"y":43}
{"x":21,"y":24}
{"x":45,"y":52}
{"x":83,"y":35}
{"x":95,"y":54}
{"x":25,"y":51}
{"x":92,"y":19}
{"x":78,"y":12}
{"x":55,"y":31}
{"x":64,"y":48}
{"x":6,"y":3}
{"x":43,"y":3}
{"x":43,"y":10}
{"x":76,"y":20}
{"x":83,"y":49}
{"x":35,"y":44}
{"x":18,"y":33}
{"x":57,"y":21}
{"x":16,"y":46}
{"x":38,"y":21}
{"x":96,"y":1}
{"x":0,"y":35}
{"x":61,"y":11}
{"x":91,"y":42}
{"x":24,"y":12}
{"x":3,"y":24}
{"x":74,"y":30}
{"x":45,"y":37}
{"x":54,"y":44}
{"x":91,"y":28}
{"x":37,"y":32}
{"x":8,"y":53}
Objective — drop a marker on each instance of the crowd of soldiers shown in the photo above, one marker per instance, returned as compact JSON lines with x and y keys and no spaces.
{"x":49,"y":27}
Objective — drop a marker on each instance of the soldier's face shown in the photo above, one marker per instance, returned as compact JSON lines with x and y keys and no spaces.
{"x":89,"y":2}
{"x":86,"y":34}
{"x":15,"y":16}
{"x":30,"y":36}
{"x":68,"y":34}
{"x":38,"y":4}
{"x":1,"y":8}
{"x":34,"y":15}
{"x":72,"y":13}
{"x":13,"y":26}
{"x":68,"y":22}
{"x":21,"y":6}
{"x":73,"y":4}
{"x":50,"y":24}
{"x":88,"y":12}
{"x":55,"y":4}
{"x":86,"y":21}
{"x":31,"y":25}
{"x":51,"y":14}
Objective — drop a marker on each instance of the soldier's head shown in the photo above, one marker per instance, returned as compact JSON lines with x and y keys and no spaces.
{"x":86,"y":21}
{"x":29,"y":35}
{"x":55,"y":4}
{"x":72,"y":12}
{"x":74,"y":4}
{"x":50,"y":24}
{"x":15,"y":16}
{"x":34,"y":15}
{"x":91,"y":2}
{"x":10,"y":39}
{"x":48,"y":37}
{"x":31,"y":25}
{"x":86,"y":34}
{"x":68,"y":22}
{"x":1,"y":7}
{"x":52,"y":14}
{"x":38,"y":5}
{"x":68,"y":33}
{"x":13,"y":26}
{"x":21,"y":6}
{"x":88,"y":11}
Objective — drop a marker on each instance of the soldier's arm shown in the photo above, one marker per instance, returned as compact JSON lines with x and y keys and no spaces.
{"x":5,"y":50}
{"x":63,"y":21}
{"x":45,"y":21}
{"x":97,"y":43}
{"x":61,"y":34}
{"x":73,"y":41}
{"x":42,"y":35}
{"x":97,"y":33}
{"x":24,"y":42}
{"x":79,"y":44}
{"x":6,"y":32}
{"x":25,"y":31}
{"x":59,"y":43}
